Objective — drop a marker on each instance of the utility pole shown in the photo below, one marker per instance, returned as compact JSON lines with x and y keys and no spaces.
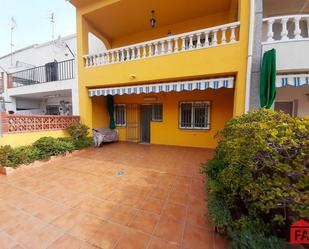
{"x":13,"y":26}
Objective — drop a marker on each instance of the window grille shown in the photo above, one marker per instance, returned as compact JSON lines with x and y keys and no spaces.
{"x":157,"y":112}
{"x":195,"y":115}
{"x":120,"y":114}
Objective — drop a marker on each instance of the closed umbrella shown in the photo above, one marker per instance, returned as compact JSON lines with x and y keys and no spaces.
{"x":110,"y":108}
{"x":268,"y":79}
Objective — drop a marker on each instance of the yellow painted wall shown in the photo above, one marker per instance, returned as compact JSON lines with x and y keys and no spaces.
{"x":167,"y":132}
{"x":28,"y":138}
{"x":217,"y":61}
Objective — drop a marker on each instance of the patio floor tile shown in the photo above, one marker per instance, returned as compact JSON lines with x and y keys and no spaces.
{"x":81,"y":203}
{"x":169,"y":229}
{"x":145,"y":221}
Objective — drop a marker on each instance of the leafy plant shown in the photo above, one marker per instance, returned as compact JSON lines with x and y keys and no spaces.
{"x":83,"y":143}
{"x":78,"y":131}
{"x":49,"y":146}
{"x":245,"y":239}
{"x":23,"y":155}
{"x":4,"y":155}
{"x":260,"y":170}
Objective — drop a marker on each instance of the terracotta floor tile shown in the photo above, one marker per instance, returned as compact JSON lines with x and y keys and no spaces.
{"x":43,"y":238}
{"x":153,"y":205}
{"x":175,"y":211}
{"x":50,"y":213}
{"x":66,"y":242}
{"x":161,"y":186}
{"x":133,"y":240}
{"x":68,"y":219}
{"x":107,"y":235}
{"x":6,"y":241}
{"x":157,"y":243}
{"x":196,"y":238}
{"x":86,"y":227}
{"x":169,"y":229}
{"x":179,"y":198}
{"x":198,"y":217}
{"x":160,"y":193}
{"x":145,"y":221}
{"x":123,"y":215}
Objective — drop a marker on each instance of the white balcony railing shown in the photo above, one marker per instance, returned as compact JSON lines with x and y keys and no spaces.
{"x":205,"y":38}
{"x":285,"y":28}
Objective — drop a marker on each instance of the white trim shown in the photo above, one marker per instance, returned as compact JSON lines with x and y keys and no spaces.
{"x":179,"y":86}
{"x":192,"y":115}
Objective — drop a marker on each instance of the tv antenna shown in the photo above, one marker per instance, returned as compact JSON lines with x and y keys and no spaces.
{"x":13,"y":26}
{"x":52,"y":22}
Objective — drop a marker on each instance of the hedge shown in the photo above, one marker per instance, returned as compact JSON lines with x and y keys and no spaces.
{"x":258,"y":180}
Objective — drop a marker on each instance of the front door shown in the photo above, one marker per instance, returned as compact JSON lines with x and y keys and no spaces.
{"x":146,"y":116}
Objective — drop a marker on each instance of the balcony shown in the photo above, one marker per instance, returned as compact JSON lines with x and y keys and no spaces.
{"x":54,"y":71}
{"x":289,"y":35}
{"x":195,"y":40}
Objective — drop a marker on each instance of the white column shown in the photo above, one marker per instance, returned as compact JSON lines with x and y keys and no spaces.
{"x":297,"y":31}
{"x":191,"y":42}
{"x":214,"y":38}
{"x":183,"y":43}
{"x":169,"y":46}
{"x":156,"y":48}
{"x":144,"y":51}
{"x":223,"y":38}
{"x":206,"y":40}
{"x":198,"y":44}
{"x":176,"y":45}
{"x":270,"y":33}
{"x":284,"y":32}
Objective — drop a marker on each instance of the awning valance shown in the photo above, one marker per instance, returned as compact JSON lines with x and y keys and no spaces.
{"x":166,"y":87}
{"x":295,"y":80}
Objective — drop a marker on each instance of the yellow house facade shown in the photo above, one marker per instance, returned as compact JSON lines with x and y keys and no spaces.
{"x":176,"y":70}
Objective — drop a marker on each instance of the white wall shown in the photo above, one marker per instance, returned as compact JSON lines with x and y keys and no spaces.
{"x":297,"y":94}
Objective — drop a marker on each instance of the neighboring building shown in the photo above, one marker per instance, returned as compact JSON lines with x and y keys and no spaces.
{"x":175,"y":83}
{"x":284,"y":25}
{"x":42,"y":79}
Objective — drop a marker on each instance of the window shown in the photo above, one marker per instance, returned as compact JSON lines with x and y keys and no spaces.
{"x":120,"y":114}
{"x":285,"y":106}
{"x":157,"y":112}
{"x":194,"y":115}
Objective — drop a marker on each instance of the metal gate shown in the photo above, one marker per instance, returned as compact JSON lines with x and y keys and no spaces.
{"x":133,"y":123}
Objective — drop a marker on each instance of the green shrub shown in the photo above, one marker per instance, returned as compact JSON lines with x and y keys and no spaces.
{"x":245,"y":239}
{"x":23,"y":155}
{"x":49,"y":146}
{"x":78,"y":131}
{"x":4,"y":155}
{"x":83,"y":143}
{"x":260,"y":170}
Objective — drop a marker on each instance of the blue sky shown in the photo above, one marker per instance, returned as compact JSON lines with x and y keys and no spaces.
{"x":33,"y":25}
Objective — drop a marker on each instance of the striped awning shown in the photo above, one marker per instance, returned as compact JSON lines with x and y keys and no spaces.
{"x":295,"y":80}
{"x":166,"y":87}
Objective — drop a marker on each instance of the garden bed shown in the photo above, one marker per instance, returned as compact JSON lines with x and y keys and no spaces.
{"x":36,"y":164}
{"x":44,"y":150}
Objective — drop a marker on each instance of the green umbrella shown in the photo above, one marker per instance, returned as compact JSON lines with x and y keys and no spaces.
{"x":110,"y":108}
{"x":268,"y":79}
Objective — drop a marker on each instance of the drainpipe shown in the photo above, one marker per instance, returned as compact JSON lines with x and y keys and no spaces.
{"x":249,"y":57}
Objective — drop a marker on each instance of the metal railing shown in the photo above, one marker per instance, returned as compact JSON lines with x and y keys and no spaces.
{"x":53,"y":71}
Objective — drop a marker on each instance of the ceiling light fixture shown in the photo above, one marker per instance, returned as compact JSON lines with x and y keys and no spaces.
{"x":152,"y":19}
